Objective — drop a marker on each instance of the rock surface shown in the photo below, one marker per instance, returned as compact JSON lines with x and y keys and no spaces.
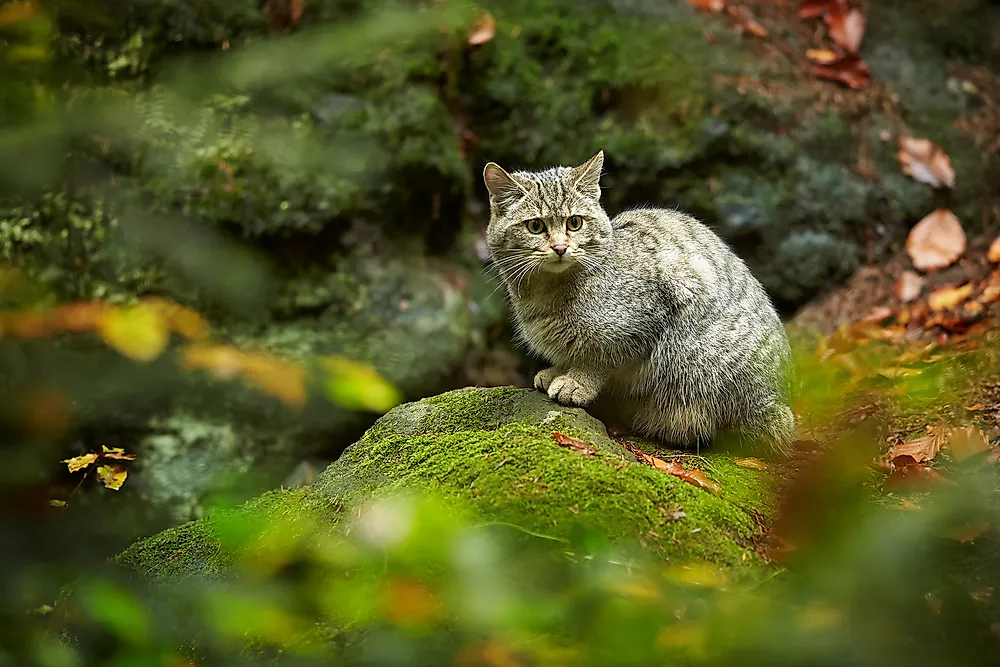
{"x":491,"y":452}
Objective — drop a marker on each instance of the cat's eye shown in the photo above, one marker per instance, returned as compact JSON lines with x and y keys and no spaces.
{"x":574,"y":222}
{"x":535,"y":225}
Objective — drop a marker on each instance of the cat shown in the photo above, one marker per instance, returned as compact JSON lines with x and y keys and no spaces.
{"x":648,"y":319}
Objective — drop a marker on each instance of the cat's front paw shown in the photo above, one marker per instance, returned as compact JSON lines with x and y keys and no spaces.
{"x":567,"y":391}
{"x":544,"y":378}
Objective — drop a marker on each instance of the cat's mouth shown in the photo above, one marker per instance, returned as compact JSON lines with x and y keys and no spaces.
{"x":554,"y":263}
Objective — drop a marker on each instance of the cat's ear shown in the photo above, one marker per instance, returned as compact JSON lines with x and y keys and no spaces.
{"x":502,"y":186}
{"x":586,"y":179}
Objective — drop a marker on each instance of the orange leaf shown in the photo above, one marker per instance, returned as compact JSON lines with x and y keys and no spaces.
{"x":16,"y":12}
{"x":482,"y":30}
{"x":139,"y":332}
{"x":181,"y":319}
{"x":710,"y":6}
{"x":994,"y":252}
{"x":281,"y":379}
{"x":926,"y":162}
{"x":936,"y":241}
{"x":80,"y":462}
{"x":949,"y":297}
{"x":907,"y":472}
{"x":574,"y":444}
{"x":966,"y":442}
{"x":112,"y":476}
{"x":909,"y":286}
{"x":747,"y":21}
{"x":695,"y":476}
{"x":821,"y":56}
{"x":812,"y":8}
{"x":409,"y":602}
{"x":849,"y":70}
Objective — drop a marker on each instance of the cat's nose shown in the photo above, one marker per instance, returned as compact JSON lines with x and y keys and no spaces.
{"x":560,"y":249}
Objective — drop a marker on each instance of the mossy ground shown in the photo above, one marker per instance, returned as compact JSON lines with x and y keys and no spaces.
{"x":491,"y":453}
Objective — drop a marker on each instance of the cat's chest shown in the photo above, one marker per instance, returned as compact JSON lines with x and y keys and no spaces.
{"x":553,"y":329}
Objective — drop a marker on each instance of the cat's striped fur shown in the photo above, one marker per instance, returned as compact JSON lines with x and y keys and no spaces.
{"x":648,"y":319}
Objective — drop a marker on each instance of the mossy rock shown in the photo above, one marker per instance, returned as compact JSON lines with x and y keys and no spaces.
{"x":491,"y":452}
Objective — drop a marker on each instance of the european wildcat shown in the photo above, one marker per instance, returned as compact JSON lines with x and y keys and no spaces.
{"x":648,"y":317}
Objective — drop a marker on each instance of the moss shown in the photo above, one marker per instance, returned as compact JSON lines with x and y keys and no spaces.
{"x":490,"y":453}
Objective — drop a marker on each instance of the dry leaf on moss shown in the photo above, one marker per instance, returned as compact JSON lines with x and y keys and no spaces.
{"x":753,"y":463}
{"x":574,"y":444}
{"x":926,"y":162}
{"x":747,"y":21}
{"x":936,"y":241}
{"x":909,"y":286}
{"x":949,"y":297}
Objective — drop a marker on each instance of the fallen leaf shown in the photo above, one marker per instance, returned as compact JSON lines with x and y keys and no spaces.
{"x":694,"y":476}
{"x":877,"y":314}
{"x":482,"y":29}
{"x":966,"y":442}
{"x":936,"y":241}
{"x":949,"y":297}
{"x":909,"y":286}
{"x":747,"y":21}
{"x":846,"y":25}
{"x":990,"y":293}
{"x":905,"y":504}
{"x":907,"y":472}
{"x":711,"y":6}
{"x":139,"y":332}
{"x":970,"y":532}
{"x":112,"y":476}
{"x":180,"y":319}
{"x":926,"y":162}
{"x":821,"y":56}
{"x":753,"y":463}
{"x":574,"y":444}
{"x":80,"y":462}
{"x":57,"y":503}
{"x":849,"y":70}
{"x":920,"y":449}
{"x":812,"y":8}
{"x":117,"y":453}
{"x":973,"y":308}
{"x":281,"y":379}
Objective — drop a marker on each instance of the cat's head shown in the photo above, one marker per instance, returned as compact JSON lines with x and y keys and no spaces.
{"x":550,"y":220}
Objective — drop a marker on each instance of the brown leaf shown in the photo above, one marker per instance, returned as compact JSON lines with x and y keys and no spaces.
{"x":907,"y":472}
{"x":282,"y":14}
{"x":994,"y":252}
{"x":747,"y":21}
{"x":112,"y":476}
{"x":936,"y":241}
{"x":909,"y":286}
{"x":812,"y":8}
{"x":877,"y":314}
{"x":846,"y":25}
{"x":695,"y":476}
{"x":482,"y":29}
{"x":849,"y":70}
{"x":821,"y":56}
{"x":991,"y":292}
{"x":949,"y":297}
{"x":966,"y":442}
{"x":710,"y":6}
{"x":926,"y":162}
{"x":920,"y":449}
{"x":969,"y":532}
{"x":117,"y":453}
{"x":753,"y":463}
{"x":574,"y":444}
{"x":80,"y":462}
